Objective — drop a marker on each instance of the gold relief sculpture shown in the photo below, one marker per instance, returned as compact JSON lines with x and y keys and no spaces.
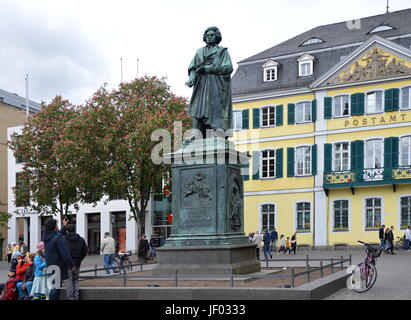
{"x":340,"y":178}
{"x":377,"y":65}
{"x":401,"y":173}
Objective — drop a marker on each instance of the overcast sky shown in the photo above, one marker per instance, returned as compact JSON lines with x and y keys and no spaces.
{"x":73,"y":47}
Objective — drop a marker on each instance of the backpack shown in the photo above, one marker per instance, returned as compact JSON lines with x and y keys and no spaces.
{"x":10,"y":290}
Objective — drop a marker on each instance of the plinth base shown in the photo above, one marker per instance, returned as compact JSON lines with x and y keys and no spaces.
{"x":207,"y":260}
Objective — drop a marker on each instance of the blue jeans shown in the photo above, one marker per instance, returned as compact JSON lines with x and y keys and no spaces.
{"x":273,"y":245}
{"x":382,"y":245}
{"x":24,"y":293}
{"x":406,"y":244}
{"x":108,"y":262}
{"x":267,"y":250}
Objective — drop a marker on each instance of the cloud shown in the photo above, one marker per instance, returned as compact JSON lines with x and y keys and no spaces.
{"x":57,"y":55}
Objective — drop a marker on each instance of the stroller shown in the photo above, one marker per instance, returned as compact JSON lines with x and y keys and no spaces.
{"x":9,"y":291}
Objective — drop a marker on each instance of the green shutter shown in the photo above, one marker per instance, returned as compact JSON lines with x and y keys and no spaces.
{"x":245,"y":113}
{"x":314,"y":110}
{"x":328,"y":107}
{"x":279,"y":115}
{"x":396,"y":99}
{"x":279,"y":163}
{"x":291,"y":113}
{"x":395,"y":152}
{"x":391,"y":152}
{"x":314,"y":160}
{"x":256,"y":165}
{"x":290,"y":162}
{"x":328,"y":157}
{"x":256,"y":118}
{"x":388,"y":100}
{"x":360,"y":103}
{"x":357,"y":155}
{"x":354,"y":108}
{"x":245,"y":171}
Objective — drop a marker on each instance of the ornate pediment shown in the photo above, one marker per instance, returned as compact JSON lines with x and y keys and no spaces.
{"x":375,"y":64}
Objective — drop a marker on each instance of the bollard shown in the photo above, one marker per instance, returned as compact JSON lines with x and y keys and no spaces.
{"x":308,"y":274}
{"x":332,"y":265}
{"x":307,"y":264}
{"x":342,"y":262}
{"x":232,"y":278}
{"x":95,"y":270}
{"x":321,"y":269}
{"x":266,"y":260}
{"x":350,"y":259}
{"x":292,"y":277}
{"x":124,"y":277}
{"x":176,"y":281}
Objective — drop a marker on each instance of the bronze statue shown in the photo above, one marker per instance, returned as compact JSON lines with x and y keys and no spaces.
{"x":209,"y":71}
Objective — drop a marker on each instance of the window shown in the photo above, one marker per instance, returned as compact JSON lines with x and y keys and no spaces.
{"x":270,"y":71}
{"x":303,"y":161}
{"x":374,"y":102}
{"x":341,"y":157}
{"x":237,"y":120}
{"x":312,"y":41}
{"x":267,"y":116}
{"x":305,"y":65}
{"x":405,"y":151}
{"x":383,"y":27}
{"x":303,"y":217}
{"x":20,"y":158}
{"x":267,"y":216}
{"x":305,"y":69}
{"x":268,"y":164}
{"x":340,"y":215}
{"x":405,"y":212}
{"x":405,"y":98}
{"x":372,"y":213}
{"x":303,"y":112}
{"x":374,"y":154}
{"x":22,"y":192}
{"x":341,"y":106}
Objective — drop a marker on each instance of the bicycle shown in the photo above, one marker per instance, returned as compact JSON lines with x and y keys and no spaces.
{"x":364,"y":275}
{"x":122,"y":261}
{"x":399,"y":243}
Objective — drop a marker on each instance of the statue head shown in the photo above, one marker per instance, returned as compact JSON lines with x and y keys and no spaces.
{"x":217,"y":34}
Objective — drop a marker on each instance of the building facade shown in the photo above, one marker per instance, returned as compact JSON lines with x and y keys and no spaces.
{"x":326,"y":117}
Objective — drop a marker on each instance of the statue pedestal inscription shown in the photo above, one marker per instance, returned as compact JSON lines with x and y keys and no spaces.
{"x":208,"y":212}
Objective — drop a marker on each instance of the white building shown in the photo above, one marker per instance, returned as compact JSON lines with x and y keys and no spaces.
{"x":91,"y":221}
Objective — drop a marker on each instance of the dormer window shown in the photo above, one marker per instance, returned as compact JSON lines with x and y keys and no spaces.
{"x":312,"y":41}
{"x":270,"y":71}
{"x":382,"y":27}
{"x":305,"y":65}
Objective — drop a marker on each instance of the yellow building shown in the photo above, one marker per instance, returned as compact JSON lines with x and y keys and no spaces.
{"x":326,"y":116}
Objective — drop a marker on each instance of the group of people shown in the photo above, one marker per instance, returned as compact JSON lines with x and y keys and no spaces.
{"x":268,"y":241}
{"x":28,"y":276}
{"x":386,"y":236}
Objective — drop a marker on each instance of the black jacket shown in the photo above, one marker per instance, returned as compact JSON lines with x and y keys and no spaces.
{"x":381,"y":233}
{"x":77,"y":247}
{"x":29,"y":274}
{"x":389,"y":236}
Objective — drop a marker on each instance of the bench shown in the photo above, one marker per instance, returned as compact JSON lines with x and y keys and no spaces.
{"x":303,"y":245}
{"x":340,"y":244}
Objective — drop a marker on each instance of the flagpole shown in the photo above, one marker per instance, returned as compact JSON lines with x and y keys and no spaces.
{"x":27,"y":96}
{"x":121,"y":66}
{"x":137,"y":66}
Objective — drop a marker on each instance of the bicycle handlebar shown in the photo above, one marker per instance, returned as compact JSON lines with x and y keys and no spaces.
{"x":365,"y":244}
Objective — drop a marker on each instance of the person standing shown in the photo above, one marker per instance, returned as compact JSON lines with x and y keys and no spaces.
{"x":40,"y":290}
{"x":9,"y":252}
{"x":274,"y":238}
{"x":267,"y":242}
{"x":294,"y":243}
{"x":154,"y":243}
{"x":78,"y":251}
{"x":381,"y":236}
{"x":143,"y":247}
{"x":57,"y":253}
{"x":407,"y":239}
{"x":389,"y":238}
{"x":108,"y":248}
{"x":257,"y":239}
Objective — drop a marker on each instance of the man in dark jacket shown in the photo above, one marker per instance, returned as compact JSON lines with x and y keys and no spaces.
{"x":274,"y":237}
{"x":389,"y":238}
{"x":267,"y":241}
{"x":381,"y":236}
{"x":57,"y":253}
{"x":78,"y":250}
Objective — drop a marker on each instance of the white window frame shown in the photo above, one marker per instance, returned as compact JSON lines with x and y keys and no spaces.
{"x":409,"y":97}
{"x":296,"y":216}
{"x":399,"y":210}
{"x":304,"y":111}
{"x":335,"y":104}
{"x":261,"y":215}
{"x":334,"y":153}
{"x":237,"y":111}
{"x":408,"y":136}
{"x":333,"y":215}
{"x":296,"y":162}
{"x":305,"y":59}
{"x":268,"y":165}
{"x":268,"y":116}
{"x":367,"y":112}
{"x":365,"y":212}
{"x":374,"y":153}
{"x":268,"y":66}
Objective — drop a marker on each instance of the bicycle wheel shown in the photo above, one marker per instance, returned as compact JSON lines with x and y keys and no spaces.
{"x":116,"y":266}
{"x":363,"y":277}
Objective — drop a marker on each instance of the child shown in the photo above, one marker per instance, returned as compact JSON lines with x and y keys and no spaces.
{"x":282,"y":244}
{"x":288,"y":245}
{"x":40,"y":289}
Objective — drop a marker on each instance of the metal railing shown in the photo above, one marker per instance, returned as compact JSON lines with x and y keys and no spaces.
{"x":334,"y":263}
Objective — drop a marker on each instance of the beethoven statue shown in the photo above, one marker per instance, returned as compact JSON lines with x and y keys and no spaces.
{"x":209,"y":73}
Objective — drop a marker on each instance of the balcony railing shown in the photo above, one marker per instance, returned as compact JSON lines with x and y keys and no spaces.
{"x":377,"y":176}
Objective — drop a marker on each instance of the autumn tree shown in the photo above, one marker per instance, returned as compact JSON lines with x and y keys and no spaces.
{"x":43,"y":183}
{"x":109,"y":145}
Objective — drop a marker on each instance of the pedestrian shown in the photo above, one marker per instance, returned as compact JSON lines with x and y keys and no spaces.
{"x":154,"y":243}
{"x":294,"y":243}
{"x":257,"y":239}
{"x":57,"y":253}
{"x":9,"y":252}
{"x":143,"y":247}
{"x":39,"y":291}
{"x":407,"y":239}
{"x":381,"y":236}
{"x":23,"y":248}
{"x":267,"y":242}
{"x":389,"y":239}
{"x":78,"y":251}
{"x":274,"y":237}
{"x":288,"y":246}
{"x":108,"y":248}
{"x":250,"y":237}
{"x":282,"y":244}
{"x":24,"y":286}
{"x":16,"y":252}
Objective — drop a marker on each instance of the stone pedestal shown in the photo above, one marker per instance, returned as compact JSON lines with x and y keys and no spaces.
{"x":208,"y":212}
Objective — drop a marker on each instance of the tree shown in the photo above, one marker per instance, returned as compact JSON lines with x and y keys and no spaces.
{"x":43,"y":183}
{"x":109,"y":145}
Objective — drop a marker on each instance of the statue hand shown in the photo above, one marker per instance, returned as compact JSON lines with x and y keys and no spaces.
{"x":190,"y":83}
